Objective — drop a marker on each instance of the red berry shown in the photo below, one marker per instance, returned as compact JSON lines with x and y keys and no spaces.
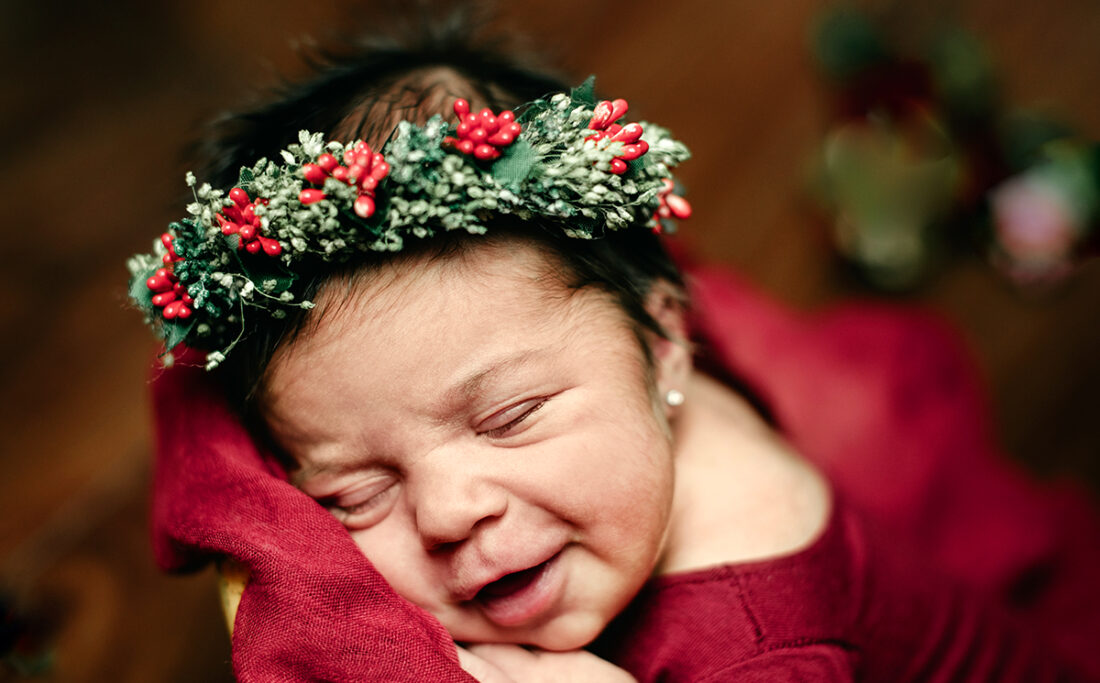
{"x":160,"y":280}
{"x":501,"y":138}
{"x":233,"y":213}
{"x":314,"y":173}
{"x":164,"y":298}
{"x":488,"y":121}
{"x":678,"y":206}
{"x":172,"y":309}
{"x":631,"y":132}
{"x":619,"y":108}
{"x":635,"y":150}
{"x":601,"y":116}
{"x":310,"y":196}
{"x":271,"y":247}
{"x":327,"y":162}
{"x":239,"y":197}
{"x":606,"y":113}
{"x":364,"y":206}
{"x":486,"y":152}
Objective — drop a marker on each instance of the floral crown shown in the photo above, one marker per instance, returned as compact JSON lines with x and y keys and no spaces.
{"x":237,"y":258}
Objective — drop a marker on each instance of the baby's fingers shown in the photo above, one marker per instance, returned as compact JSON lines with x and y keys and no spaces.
{"x":540,"y":666}
{"x":480,"y":668}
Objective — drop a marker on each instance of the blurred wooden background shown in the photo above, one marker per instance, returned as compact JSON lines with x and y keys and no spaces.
{"x":98,"y":98}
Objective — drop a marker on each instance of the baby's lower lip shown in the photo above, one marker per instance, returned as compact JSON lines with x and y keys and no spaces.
{"x":521,"y":596}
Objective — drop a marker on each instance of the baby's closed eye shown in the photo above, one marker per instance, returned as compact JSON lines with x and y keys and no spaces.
{"x":364,"y":505}
{"x":506,"y":422}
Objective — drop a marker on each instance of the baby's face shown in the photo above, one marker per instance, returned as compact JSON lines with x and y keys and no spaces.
{"x":489,"y":440}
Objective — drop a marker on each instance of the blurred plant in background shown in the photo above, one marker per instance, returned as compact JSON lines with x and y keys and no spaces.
{"x":923,"y":162}
{"x":26,"y":638}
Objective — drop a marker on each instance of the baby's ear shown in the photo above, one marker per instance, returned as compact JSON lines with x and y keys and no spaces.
{"x":671,"y":353}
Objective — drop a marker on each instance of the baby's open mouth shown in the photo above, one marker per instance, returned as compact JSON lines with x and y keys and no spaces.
{"x":520,"y":596}
{"x":510,"y":583}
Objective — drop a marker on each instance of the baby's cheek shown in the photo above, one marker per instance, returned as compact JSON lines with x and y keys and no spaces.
{"x":628,"y":479}
{"x":394,"y":550}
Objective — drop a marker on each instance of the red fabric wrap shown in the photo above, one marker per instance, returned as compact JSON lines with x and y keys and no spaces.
{"x":884,"y":402}
{"x":314,"y":609}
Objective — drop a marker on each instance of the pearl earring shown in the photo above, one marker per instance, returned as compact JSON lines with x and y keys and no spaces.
{"x":674,"y":398}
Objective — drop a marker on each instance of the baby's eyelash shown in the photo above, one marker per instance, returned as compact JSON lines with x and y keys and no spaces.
{"x":359,"y":507}
{"x":502,"y":430}
{"x":347,"y":513}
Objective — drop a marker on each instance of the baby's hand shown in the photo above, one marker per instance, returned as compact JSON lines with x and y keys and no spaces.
{"x":514,"y":664}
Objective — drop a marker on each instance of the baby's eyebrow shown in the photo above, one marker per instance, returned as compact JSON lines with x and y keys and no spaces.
{"x":297,"y":479}
{"x":471,"y":385}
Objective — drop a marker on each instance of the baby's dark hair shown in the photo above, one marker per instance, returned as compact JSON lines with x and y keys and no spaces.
{"x":362,"y":93}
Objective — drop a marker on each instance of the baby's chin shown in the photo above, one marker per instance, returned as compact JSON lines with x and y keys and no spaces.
{"x":563,"y":633}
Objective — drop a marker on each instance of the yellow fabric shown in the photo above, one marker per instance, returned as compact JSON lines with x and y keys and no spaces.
{"x":232,"y":578}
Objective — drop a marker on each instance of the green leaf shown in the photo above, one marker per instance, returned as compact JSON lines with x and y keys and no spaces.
{"x":531,"y":110}
{"x":187,"y":236}
{"x":281,"y":285}
{"x":588,"y":226}
{"x":187,"y":228}
{"x":175,"y":331}
{"x":140,"y":292}
{"x":513,"y":167}
{"x":246,"y":177}
{"x":585,"y":93}
{"x":372,"y":225}
{"x":262,"y":268}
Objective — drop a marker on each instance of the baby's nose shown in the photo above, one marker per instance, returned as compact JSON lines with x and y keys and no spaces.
{"x":451,"y":502}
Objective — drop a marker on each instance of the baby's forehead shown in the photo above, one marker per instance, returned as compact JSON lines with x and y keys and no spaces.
{"x":416,"y":287}
{"x":420,"y":324}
